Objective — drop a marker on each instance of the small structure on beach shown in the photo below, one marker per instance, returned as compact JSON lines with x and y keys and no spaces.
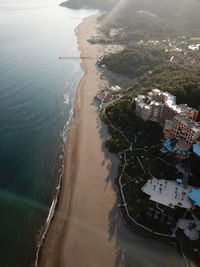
{"x":104,"y":96}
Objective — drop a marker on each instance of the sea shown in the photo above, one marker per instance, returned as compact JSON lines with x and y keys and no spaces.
{"x":37,"y":90}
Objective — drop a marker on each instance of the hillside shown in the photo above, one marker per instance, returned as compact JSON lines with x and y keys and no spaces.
{"x":134,"y":60}
{"x":155,"y":18}
{"x":182,"y":81}
{"x":96,"y":4}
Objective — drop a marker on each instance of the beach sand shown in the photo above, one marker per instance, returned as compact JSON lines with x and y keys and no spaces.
{"x":81,"y":218}
{"x":87,"y":230}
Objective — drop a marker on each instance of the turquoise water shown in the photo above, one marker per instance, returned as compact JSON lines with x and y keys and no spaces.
{"x":36,"y":95}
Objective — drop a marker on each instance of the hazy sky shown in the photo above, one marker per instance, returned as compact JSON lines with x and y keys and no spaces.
{"x":28,"y":3}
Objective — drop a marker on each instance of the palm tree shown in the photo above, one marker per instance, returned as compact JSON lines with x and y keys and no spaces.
{"x":179,"y":204}
{"x":192,"y":225}
{"x":170,"y":205}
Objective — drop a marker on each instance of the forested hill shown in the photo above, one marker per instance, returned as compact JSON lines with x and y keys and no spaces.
{"x":181,"y":13}
{"x":135,"y":60}
{"x":96,"y":4}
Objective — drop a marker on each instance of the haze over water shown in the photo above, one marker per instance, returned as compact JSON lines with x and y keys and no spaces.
{"x":36,"y":93}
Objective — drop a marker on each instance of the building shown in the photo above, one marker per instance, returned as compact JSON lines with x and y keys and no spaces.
{"x":196,"y":149}
{"x":160,"y":106}
{"x":156,"y":109}
{"x":167,"y":128}
{"x":183,"y":152}
{"x":103,"y":96}
{"x":194,"y":47}
{"x":149,"y":111}
{"x":160,"y":96}
{"x":195,"y":196}
{"x":184,"y":129}
{"x":142,"y":111}
{"x":115,"y":89}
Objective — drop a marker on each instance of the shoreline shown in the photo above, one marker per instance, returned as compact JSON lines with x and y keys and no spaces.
{"x":69,"y":171}
{"x":87,"y":220}
{"x":44,"y":231}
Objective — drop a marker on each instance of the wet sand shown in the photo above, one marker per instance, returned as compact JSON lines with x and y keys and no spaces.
{"x":87,"y":230}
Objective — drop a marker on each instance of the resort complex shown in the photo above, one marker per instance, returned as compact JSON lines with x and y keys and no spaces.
{"x":178,"y":121}
{"x":182,"y":139}
{"x":158,"y":182}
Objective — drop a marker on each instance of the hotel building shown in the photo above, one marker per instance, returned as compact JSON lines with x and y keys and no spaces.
{"x":160,"y":106}
{"x":178,"y":120}
{"x":185,"y":129}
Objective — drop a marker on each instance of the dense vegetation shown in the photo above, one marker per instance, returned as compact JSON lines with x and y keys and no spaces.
{"x":99,"y":4}
{"x":150,"y":67}
{"x":144,"y":27}
{"x":140,"y":26}
{"x":142,"y":161}
{"x":182,"y":81}
{"x":122,"y":115}
{"x":135,"y":60}
{"x":158,"y":16}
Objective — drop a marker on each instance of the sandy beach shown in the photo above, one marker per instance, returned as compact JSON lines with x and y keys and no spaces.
{"x":87,"y":230}
{"x":84,"y":177}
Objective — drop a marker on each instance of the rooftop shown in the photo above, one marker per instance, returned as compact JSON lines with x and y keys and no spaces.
{"x":191,"y":232}
{"x":182,"y":146}
{"x":177,"y":108}
{"x":168,"y":193}
{"x":170,"y":96}
{"x":141,"y":104}
{"x":157,"y":103}
{"x":195,"y":196}
{"x":196,"y":149}
{"x":116,"y":89}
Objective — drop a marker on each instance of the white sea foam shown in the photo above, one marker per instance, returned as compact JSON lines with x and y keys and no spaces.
{"x":52,"y":209}
{"x":66,"y":99}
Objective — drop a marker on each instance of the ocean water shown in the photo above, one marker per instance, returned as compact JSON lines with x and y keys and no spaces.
{"x":36,"y":96}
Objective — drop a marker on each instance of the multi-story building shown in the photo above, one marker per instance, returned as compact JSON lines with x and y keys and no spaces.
{"x":156,"y":109}
{"x":171,"y":110}
{"x":185,"y":129}
{"x":143,"y":111}
{"x":160,"y":106}
{"x":160,"y":96}
{"x":167,"y":129}
{"x":149,"y":111}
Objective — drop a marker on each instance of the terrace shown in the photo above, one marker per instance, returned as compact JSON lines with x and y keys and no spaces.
{"x":168,"y":193}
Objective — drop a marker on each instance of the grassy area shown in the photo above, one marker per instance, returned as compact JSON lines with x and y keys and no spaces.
{"x":138,"y":229}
